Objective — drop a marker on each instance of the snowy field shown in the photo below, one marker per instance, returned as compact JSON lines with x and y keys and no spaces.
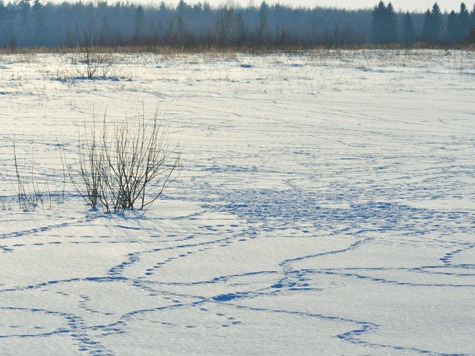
{"x":326,"y":205}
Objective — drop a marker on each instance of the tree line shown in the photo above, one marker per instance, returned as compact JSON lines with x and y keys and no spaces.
{"x":437,"y":28}
{"x":30,"y":23}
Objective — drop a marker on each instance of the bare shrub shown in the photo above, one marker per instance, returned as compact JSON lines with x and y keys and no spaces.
{"x":123,"y":166}
{"x":90,"y":167}
{"x":92,"y":62}
{"x":29,"y":194}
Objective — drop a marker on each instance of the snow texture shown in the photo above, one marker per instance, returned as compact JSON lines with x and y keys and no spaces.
{"x":325,"y":206}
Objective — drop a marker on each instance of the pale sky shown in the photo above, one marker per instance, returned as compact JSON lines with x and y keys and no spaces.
{"x":399,"y":5}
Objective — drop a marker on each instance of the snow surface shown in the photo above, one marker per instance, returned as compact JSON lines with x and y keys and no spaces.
{"x":325,"y":206}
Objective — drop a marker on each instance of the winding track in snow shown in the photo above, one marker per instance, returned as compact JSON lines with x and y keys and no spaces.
{"x":281,"y":222}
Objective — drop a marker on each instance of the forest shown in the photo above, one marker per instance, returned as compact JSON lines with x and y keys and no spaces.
{"x":33,"y":24}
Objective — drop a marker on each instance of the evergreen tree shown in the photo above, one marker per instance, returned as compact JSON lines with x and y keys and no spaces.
{"x":464,"y":20}
{"x":263,"y":23}
{"x":391,"y":28}
{"x":181,"y":30}
{"x":377,"y":23}
{"x":226,"y":26}
{"x":39,"y":22}
{"x":384,"y":24}
{"x":3,"y":28}
{"x":453,"y":28}
{"x":436,"y":21}
{"x":181,"y":7}
{"x":337,"y":35}
{"x":426,"y":31}
{"x":24,"y":10}
{"x":139,"y":18}
{"x":408,"y":33}
{"x":241,"y":29}
{"x":471,"y":35}
{"x":432,"y":24}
